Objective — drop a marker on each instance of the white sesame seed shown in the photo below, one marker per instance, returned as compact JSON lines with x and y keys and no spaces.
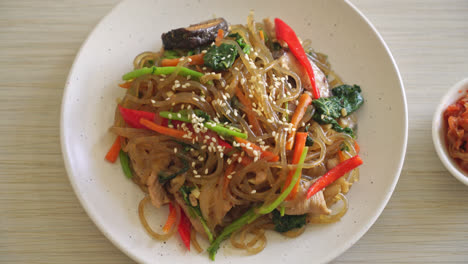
{"x":197,"y":176}
{"x":196,"y":99}
{"x":195,"y":171}
{"x":206,"y":171}
{"x":193,"y":163}
{"x":175,"y":150}
{"x":253,"y":191}
{"x":229,"y":176}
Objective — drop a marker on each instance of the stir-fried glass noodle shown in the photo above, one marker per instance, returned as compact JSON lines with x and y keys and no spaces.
{"x":228,"y":126}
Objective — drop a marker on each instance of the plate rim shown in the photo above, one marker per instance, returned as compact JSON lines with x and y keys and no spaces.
{"x":356,"y":237}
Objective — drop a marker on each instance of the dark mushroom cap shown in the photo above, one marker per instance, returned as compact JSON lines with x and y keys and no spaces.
{"x":195,"y":35}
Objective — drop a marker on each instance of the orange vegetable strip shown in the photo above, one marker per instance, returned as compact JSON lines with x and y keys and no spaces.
{"x":301,"y":138}
{"x":262,"y":37}
{"x":219,"y":37}
{"x":171,"y":218}
{"x":304,"y":101}
{"x":341,"y":156}
{"x":196,"y":59}
{"x":356,"y":147}
{"x":256,"y":128}
{"x":114,"y":151}
{"x":125,"y":85}
{"x":163,"y":130}
{"x":264,"y":154}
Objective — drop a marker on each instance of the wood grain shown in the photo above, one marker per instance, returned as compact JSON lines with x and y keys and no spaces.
{"x":41,"y":220}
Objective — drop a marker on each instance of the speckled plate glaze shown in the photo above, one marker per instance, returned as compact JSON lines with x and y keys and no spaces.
{"x":356,"y":52}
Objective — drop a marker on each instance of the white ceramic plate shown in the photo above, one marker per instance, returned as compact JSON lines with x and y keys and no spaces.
{"x":336,"y":28}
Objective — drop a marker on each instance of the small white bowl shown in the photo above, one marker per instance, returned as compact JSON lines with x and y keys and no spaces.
{"x":438,"y":130}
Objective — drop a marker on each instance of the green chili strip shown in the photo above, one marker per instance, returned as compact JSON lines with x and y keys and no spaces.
{"x":224,"y":131}
{"x":216,"y":127}
{"x":265,"y":209}
{"x":124,"y":161}
{"x":246,"y":218}
{"x":253,"y":213}
{"x":162,"y":70}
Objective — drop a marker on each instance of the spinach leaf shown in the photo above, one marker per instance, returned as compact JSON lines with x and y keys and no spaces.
{"x":309,"y":139}
{"x":345,"y":100}
{"x":350,"y":97}
{"x":240,"y":40}
{"x":220,"y":58}
{"x":287,"y":222}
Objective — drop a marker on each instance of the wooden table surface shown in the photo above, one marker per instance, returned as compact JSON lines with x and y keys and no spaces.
{"x":41,"y":220}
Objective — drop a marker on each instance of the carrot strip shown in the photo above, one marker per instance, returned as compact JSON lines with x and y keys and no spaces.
{"x":341,"y":156}
{"x":304,"y":101}
{"x":163,"y":130}
{"x":219,"y":37}
{"x":227,"y":179}
{"x":125,"y":85}
{"x":114,"y":151}
{"x":262,"y":37}
{"x":171,"y":218}
{"x":250,"y":148}
{"x":256,"y":128}
{"x":196,"y":59}
{"x":301,"y":138}
{"x":357,"y":147}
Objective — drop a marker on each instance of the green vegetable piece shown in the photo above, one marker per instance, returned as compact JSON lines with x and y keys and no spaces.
{"x":220,"y":58}
{"x":170,"y":54}
{"x":195,"y":211}
{"x":284,"y":223}
{"x":345,"y":100}
{"x":350,"y":97}
{"x":246,"y":218}
{"x":124,"y":161}
{"x":282,"y":209}
{"x":253,"y":213}
{"x":220,"y":129}
{"x":163,"y":178}
{"x":266,"y":209}
{"x":161,"y":70}
{"x":224,"y":131}
{"x":240,"y":40}
{"x":309,"y":141}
